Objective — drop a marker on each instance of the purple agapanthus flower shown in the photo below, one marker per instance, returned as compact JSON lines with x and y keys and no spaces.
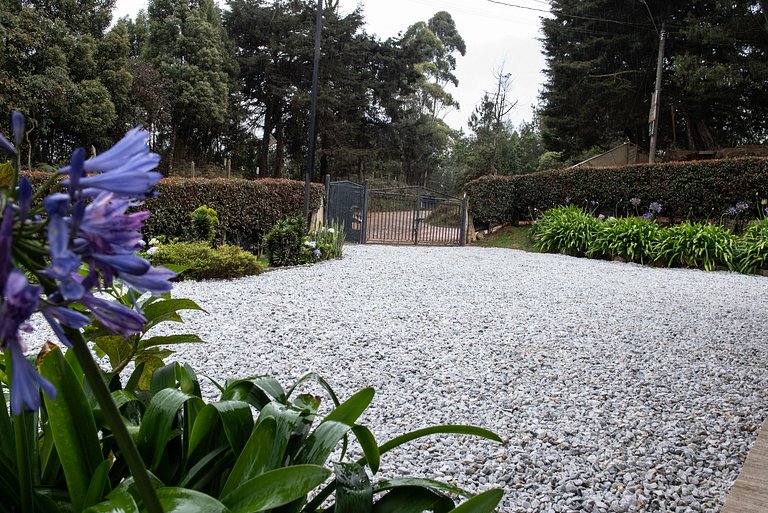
{"x":742,"y":206}
{"x":125,"y":169}
{"x":20,"y":300}
{"x":635,"y":202}
{"x":731,"y":211}
{"x":114,"y":316}
{"x":317,"y":253}
{"x":655,"y":207}
{"x":17,"y":124}
{"x":7,"y":146}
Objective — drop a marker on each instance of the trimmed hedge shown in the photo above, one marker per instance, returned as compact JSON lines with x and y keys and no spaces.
{"x":247,"y":209}
{"x":694,"y":190}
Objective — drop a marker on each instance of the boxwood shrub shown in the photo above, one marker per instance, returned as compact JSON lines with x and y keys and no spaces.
{"x":689,"y":190}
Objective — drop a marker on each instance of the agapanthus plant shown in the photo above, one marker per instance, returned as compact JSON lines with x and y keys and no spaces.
{"x":75,"y":245}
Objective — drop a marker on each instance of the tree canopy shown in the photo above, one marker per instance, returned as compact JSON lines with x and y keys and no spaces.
{"x":601,"y":62}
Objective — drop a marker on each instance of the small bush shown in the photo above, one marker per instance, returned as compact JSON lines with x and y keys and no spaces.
{"x":202,"y":262}
{"x":285,"y":242}
{"x":630,"y":238}
{"x":752,"y":250}
{"x":204,"y":223}
{"x":698,"y":245}
{"x":568,"y":230}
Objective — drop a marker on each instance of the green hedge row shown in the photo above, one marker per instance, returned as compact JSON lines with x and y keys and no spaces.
{"x":247,"y":209}
{"x":695,"y":190}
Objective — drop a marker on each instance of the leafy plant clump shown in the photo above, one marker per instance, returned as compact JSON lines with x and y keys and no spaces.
{"x":567,"y":229}
{"x":326,"y":243}
{"x":630,"y":238}
{"x":698,"y":245}
{"x":204,"y":223}
{"x":284,"y":242}
{"x":199,"y":261}
{"x":751,"y":252}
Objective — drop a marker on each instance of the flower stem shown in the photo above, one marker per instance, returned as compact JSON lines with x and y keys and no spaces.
{"x":115,"y":422}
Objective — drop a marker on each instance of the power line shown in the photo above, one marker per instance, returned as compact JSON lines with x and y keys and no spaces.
{"x":566,"y":15}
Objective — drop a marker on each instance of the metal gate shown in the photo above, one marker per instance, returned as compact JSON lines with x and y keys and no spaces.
{"x":346,"y":207}
{"x":397,"y":215}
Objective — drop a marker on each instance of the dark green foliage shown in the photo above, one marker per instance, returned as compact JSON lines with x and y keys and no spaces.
{"x":601,"y":61}
{"x":204,"y":223}
{"x":697,"y":190}
{"x":752,"y":249}
{"x":247,"y":209}
{"x":202,"y":262}
{"x":698,"y":245}
{"x":630,"y":238}
{"x":285,"y":242}
{"x":569,"y":230}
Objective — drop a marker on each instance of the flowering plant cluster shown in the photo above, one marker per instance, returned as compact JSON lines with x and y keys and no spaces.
{"x":76,"y":244}
{"x":654,"y":209}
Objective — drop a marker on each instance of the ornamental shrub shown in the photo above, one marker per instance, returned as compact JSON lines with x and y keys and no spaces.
{"x":285,"y":242}
{"x":569,"y":230}
{"x":204,"y":223}
{"x":200,"y":261}
{"x":697,"y":190}
{"x":697,"y":245}
{"x":630,"y":238}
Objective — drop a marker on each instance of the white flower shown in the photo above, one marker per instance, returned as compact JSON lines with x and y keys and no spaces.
{"x":310,"y":243}
{"x":331,"y":230}
{"x":601,"y":217}
{"x":152,"y":250}
{"x":154,"y":242}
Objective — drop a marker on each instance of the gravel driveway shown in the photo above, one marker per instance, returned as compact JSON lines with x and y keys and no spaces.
{"x":616,"y":387}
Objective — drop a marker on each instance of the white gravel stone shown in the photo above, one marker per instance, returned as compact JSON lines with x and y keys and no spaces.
{"x":616,"y":387}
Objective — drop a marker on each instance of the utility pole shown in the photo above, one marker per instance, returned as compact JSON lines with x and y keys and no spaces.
{"x":313,"y":113}
{"x":653,"y":118}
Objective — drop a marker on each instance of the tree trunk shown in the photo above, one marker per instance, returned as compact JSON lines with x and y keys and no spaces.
{"x":279,"y":151}
{"x":264,"y":152}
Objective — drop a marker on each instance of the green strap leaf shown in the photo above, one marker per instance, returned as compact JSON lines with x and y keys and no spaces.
{"x":235,"y":417}
{"x":98,"y":486}
{"x":485,"y":502}
{"x":256,"y":457}
{"x":322,"y":442}
{"x":72,"y":425}
{"x":183,"y":500}
{"x":369,"y":446}
{"x":454,"y":429}
{"x":413,"y":500}
{"x":354,"y":493}
{"x":155,"y":431}
{"x":429,"y":484}
{"x":185,"y":338}
{"x":121,"y":502}
{"x":350,"y":410}
{"x":275,"y":488}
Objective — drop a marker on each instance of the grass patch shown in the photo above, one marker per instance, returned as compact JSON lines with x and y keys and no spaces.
{"x":510,"y":237}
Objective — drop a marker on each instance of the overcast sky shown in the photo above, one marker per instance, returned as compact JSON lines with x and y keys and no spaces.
{"x":495,"y":35}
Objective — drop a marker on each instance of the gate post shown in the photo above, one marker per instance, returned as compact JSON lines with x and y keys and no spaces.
{"x":364,"y":221}
{"x":463,"y":227}
{"x":326,"y":212}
